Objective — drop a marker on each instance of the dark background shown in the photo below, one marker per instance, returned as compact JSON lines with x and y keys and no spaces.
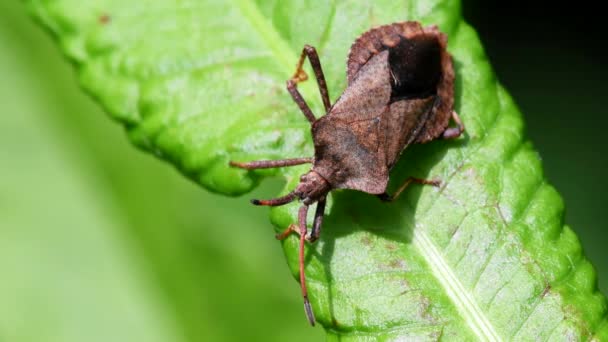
{"x":551,"y":57}
{"x":100,"y":242}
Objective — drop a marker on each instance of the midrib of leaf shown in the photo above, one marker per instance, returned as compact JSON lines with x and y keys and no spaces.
{"x":280,"y":49}
{"x":467,"y":306}
{"x":473,"y":315}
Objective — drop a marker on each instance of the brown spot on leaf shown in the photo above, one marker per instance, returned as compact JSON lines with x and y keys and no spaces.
{"x":545,"y":291}
{"x":424,"y":309}
{"x":396,"y":263}
{"x":104,"y":19}
{"x":366,"y":240}
{"x":391,"y":247}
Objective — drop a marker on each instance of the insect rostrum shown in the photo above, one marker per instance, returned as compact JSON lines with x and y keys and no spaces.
{"x":400,"y":92}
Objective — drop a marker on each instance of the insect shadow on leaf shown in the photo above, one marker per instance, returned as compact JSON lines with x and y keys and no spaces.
{"x":400,"y":92}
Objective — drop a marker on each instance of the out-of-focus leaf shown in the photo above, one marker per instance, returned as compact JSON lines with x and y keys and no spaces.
{"x":487,"y":256}
{"x":67,"y":271}
{"x":93,"y":248}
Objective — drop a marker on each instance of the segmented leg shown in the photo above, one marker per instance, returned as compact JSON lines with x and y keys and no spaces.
{"x":284,"y":234}
{"x":389,"y":198}
{"x":318,"y":221}
{"x":454,"y":132}
{"x":313,"y":57}
{"x":302,"y":225}
{"x":314,"y":235}
{"x":315,"y":232}
{"x":268,"y":164}
{"x":300,"y":76}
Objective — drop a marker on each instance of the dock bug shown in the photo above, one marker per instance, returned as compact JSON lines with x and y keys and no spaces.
{"x":400,"y":92}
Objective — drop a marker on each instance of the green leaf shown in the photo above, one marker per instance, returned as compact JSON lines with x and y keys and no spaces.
{"x":486,"y":256}
{"x":92,"y":248}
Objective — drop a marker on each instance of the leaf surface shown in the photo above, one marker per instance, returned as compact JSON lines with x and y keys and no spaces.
{"x":486,"y":256}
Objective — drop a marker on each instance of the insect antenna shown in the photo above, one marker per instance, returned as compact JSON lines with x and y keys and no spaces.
{"x":290,"y":197}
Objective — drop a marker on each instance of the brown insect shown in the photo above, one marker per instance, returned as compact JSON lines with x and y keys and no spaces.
{"x":400,"y":92}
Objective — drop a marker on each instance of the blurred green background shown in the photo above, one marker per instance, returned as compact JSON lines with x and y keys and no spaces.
{"x":100,"y":242}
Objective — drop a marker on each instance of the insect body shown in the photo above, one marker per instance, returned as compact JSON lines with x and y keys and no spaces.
{"x":400,"y":92}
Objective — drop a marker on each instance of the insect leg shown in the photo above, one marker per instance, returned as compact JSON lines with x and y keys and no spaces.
{"x":299,"y":100}
{"x":315,"y":63}
{"x":268,"y":164}
{"x":316,"y":226}
{"x":389,"y":198}
{"x":302,"y":224}
{"x":318,"y":221}
{"x":454,"y":132}
{"x":284,"y":234}
{"x":301,"y":229}
{"x":300,"y":76}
